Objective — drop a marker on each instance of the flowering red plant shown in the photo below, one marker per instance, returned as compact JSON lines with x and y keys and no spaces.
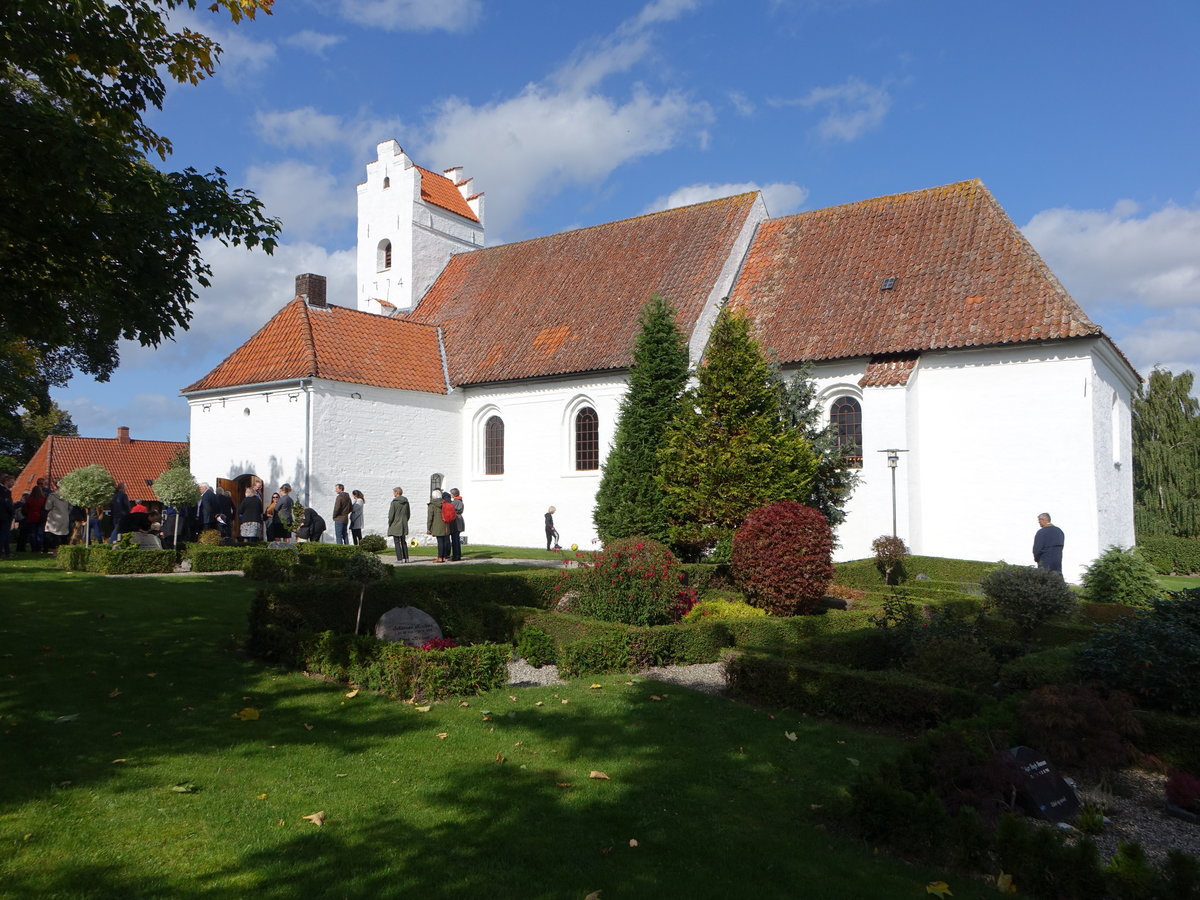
{"x":439,"y":644}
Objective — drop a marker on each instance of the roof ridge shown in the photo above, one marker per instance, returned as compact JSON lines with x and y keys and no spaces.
{"x":899,"y":195}
{"x":307,"y":335}
{"x":661,"y":212}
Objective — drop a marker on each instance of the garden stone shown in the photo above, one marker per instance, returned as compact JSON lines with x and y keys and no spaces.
{"x":407,"y":625}
{"x":827,"y":603}
{"x":1041,"y":790}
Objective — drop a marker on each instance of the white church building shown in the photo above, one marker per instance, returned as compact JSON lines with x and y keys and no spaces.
{"x":975,"y":389}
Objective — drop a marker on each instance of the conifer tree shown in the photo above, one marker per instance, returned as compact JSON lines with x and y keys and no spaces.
{"x":728,"y":451}
{"x":834,"y":479}
{"x":629,"y":501}
{"x":1166,"y":457}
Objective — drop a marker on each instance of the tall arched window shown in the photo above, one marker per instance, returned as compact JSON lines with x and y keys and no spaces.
{"x":846,"y":416}
{"x":587,"y":440}
{"x":493,"y":446}
{"x":383,"y":259}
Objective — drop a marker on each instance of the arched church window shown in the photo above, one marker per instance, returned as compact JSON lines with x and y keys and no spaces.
{"x":493,"y":446}
{"x":587,"y":440}
{"x":384,"y":256}
{"x":387,"y":182}
{"x":846,"y":416}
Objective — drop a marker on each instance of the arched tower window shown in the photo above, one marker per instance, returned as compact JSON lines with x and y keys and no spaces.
{"x":587,"y":440}
{"x":387,"y":182}
{"x":493,"y":446}
{"x":846,"y":416}
{"x":383,"y":258}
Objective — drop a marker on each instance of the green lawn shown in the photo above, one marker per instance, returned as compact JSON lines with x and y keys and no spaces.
{"x":127,"y":773}
{"x":1177,"y":582}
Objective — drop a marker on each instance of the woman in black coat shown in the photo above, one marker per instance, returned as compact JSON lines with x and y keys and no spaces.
{"x":250,"y":514}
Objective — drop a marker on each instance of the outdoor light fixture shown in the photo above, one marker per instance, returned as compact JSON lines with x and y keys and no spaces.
{"x":893,"y":460}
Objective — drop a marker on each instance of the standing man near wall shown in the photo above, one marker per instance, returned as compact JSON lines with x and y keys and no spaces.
{"x":341,"y":515}
{"x":1048,"y":545}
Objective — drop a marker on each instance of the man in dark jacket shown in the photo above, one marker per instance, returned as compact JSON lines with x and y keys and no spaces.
{"x":341,"y":515}
{"x":398,"y":515}
{"x":206,"y":508}
{"x":435,"y":526}
{"x":120,"y":507}
{"x":1048,"y":545}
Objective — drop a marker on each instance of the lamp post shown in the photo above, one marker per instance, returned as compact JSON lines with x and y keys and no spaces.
{"x":893,"y":460}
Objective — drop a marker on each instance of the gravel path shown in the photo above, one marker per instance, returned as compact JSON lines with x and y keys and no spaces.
{"x":707,"y":677}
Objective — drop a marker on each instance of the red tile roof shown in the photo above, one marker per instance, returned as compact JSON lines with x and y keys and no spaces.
{"x":965,"y":277}
{"x":333,"y":342}
{"x":441,"y":191}
{"x":889,"y":371}
{"x":570,"y":302}
{"x":131,"y":462}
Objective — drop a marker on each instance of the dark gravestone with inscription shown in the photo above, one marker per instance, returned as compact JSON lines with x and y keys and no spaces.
{"x":1041,"y":791}
{"x":407,"y":625}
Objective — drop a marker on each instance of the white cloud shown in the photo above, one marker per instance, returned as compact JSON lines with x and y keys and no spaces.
{"x":1117,"y":255}
{"x":782,"y":198}
{"x":742,"y":104}
{"x":306,"y":128}
{"x":313,"y":41}
{"x":414,"y":15}
{"x":309,"y":200}
{"x":523,"y":149}
{"x":1138,"y":275}
{"x":853,"y":108}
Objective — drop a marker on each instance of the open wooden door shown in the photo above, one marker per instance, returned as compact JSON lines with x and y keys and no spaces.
{"x":231,"y":487}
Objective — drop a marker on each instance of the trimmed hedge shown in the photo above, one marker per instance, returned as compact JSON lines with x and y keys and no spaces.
{"x":106,"y":561}
{"x":862,"y":573}
{"x":207,"y":558}
{"x":1173,"y":738}
{"x":406,"y":672}
{"x":876,"y":698}
{"x":1171,"y":555}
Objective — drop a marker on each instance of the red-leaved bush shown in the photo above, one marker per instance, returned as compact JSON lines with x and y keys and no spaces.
{"x":1183,"y":790}
{"x":782,"y":558}
{"x":635,"y":580}
{"x":439,"y":644}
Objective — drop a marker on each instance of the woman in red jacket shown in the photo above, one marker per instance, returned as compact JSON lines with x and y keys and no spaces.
{"x":35,"y":517}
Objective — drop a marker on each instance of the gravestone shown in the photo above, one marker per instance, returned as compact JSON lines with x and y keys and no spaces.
{"x":1041,"y":791}
{"x":407,"y":625}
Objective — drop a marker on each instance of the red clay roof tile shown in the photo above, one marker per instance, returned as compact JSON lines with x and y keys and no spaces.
{"x":333,"y":342}
{"x":441,"y":191}
{"x":889,"y":371}
{"x":570,"y":302}
{"x":131,"y":462}
{"x":965,"y":277}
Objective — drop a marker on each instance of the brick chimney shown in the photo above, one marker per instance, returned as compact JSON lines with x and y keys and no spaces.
{"x":312,"y":289}
{"x":123,"y":434}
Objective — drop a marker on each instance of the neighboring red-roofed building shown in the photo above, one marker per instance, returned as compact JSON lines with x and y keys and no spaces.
{"x":931,"y":324}
{"x":126,"y":458}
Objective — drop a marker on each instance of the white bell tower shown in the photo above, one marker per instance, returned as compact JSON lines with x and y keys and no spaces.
{"x":410,"y":222}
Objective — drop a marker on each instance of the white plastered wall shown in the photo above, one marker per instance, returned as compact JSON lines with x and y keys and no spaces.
{"x":316,"y":433}
{"x":539,"y":467}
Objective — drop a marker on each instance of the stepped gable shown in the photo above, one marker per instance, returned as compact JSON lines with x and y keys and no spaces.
{"x":333,"y":342}
{"x":570,"y":302}
{"x":964,"y":277}
{"x":127,"y":459}
{"x":441,"y":191}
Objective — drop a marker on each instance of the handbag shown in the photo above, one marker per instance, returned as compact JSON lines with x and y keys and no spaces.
{"x":250,"y":529}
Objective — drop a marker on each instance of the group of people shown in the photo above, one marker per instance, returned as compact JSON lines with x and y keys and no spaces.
{"x":444,"y":520}
{"x":41,"y":518}
{"x":256,"y":520}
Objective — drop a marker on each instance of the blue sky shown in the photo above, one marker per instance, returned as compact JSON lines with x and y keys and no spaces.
{"x":1083,"y":118}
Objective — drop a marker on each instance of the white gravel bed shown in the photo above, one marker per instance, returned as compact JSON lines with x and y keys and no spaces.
{"x":707,"y":677}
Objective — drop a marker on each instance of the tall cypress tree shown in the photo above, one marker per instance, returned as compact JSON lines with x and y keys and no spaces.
{"x":834,"y":479}
{"x":1166,"y":457}
{"x":629,"y":501}
{"x":728,"y":449}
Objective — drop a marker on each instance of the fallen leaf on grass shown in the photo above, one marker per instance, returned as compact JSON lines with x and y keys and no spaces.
{"x":594,"y":686}
{"x":151,"y":674}
{"x":464,"y":703}
{"x":566,"y":702}
{"x":120,"y":760}
{"x":424,"y":708}
{"x":262,"y":796}
{"x":562,"y":784}
{"x":62,"y":720}
{"x":852,"y":760}
{"x":307,"y":727}
{"x":249,"y":714}
{"x":655,"y":697}
{"x":317,"y":818}
{"x":500,"y":757}
{"x":598,"y":775}
{"x":790,"y":735}
{"x":487,"y":718}
{"x":938,"y":889}
{"x":443,"y":735}
{"x":1004,"y":884}
{"x":184,"y":787}
{"x":115,"y":692}
{"x":633,"y":842}
{"x":352,"y":694}
{"x":815,"y":805}
{"x":512,"y":698}
{"x":539,"y":703}
{"x":594,"y":895}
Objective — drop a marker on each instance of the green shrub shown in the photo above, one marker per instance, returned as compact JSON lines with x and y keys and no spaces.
{"x":130,"y":562}
{"x":878,"y":698}
{"x":536,"y":647}
{"x":635,"y":581}
{"x":782,"y":558}
{"x":406,"y":672}
{"x":73,"y":557}
{"x":275,"y":566}
{"x":1027,"y":596}
{"x":1173,"y":738}
{"x":1155,"y":656}
{"x":1171,"y":555}
{"x":210,"y":537}
{"x":1055,"y":665}
{"x":890,"y":553}
{"x":373,"y":543}
{"x":595,"y":655}
{"x":1121,"y":576}
{"x":720,"y":610}
{"x":953,"y":661}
